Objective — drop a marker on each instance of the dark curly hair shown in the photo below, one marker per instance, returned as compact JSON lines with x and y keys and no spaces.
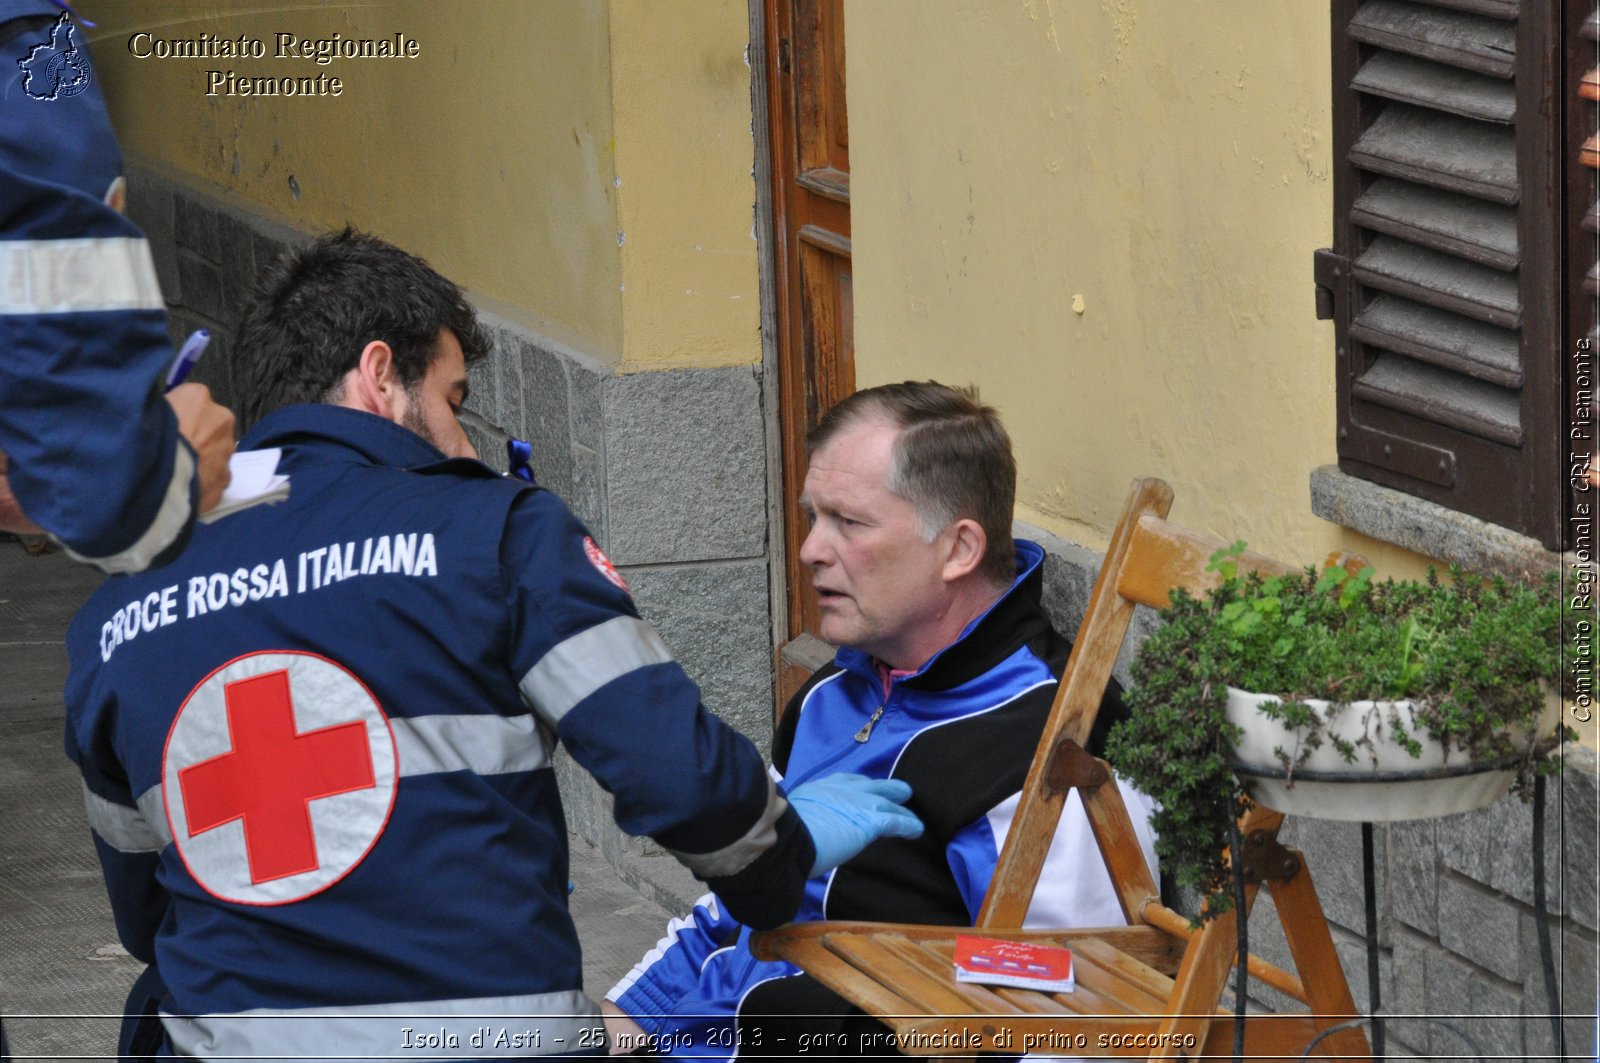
{"x":318,"y":307}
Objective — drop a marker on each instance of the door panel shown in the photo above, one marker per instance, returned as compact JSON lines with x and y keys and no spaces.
{"x":810,"y":145}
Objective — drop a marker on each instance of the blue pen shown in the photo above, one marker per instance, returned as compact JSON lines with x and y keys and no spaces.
{"x":188,"y":355}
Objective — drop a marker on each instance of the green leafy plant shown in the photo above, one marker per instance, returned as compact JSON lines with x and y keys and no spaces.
{"x":1475,"y":658}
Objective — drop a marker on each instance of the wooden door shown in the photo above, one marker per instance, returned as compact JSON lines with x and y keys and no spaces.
{"x":810,"y":147}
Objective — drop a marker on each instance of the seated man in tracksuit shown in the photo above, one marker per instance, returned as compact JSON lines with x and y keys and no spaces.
{"x":317,"y":748}
{"x":947,"y":669}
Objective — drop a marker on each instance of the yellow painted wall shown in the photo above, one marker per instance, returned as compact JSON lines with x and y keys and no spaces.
{"x":685,"y":153}
{"x":1104,"y":215}
{"x":494,"y":154}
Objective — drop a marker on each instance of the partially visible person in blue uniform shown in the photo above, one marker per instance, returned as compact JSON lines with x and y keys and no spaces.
{"x":946,"y":672}
{"x":89,"y":451}
{"x":317,"y":747}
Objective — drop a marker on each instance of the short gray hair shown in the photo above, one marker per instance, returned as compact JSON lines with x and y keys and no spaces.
{"x":951,"y":460}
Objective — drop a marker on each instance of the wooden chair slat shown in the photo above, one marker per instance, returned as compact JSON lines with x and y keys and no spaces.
{"x":1147,"y":978}
{"x":815,"y":959}
{"x":873,"y":955}
{"x":1108,"y":981}
{"x":1119,"y":847}
{"x":1327,"y":993}
{"x":980,"y":998}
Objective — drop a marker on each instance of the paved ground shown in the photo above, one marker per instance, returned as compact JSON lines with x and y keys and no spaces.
{"x":63,"y":978}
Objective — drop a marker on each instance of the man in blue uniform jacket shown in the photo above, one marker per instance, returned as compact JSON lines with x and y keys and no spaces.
{"x":946,"y":674}
{"x":317,"y":748}
{"x":89,"y":451}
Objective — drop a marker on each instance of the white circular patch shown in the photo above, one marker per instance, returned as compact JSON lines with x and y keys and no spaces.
{"x":279,"y":776}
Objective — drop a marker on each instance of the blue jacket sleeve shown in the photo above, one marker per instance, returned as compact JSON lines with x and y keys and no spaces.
{"x":671,"y":971}
{"x":128,"y":846}
{"x":603,"y":680}
{"x":94,"y":450}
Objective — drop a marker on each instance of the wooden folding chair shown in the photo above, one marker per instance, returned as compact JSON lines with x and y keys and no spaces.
{"x":1151,"y":989}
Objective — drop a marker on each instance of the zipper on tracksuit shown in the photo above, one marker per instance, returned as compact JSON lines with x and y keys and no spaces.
{"x":859,"y":737}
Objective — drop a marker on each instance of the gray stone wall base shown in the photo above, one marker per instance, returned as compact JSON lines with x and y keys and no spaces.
{"x":1427,"y":528}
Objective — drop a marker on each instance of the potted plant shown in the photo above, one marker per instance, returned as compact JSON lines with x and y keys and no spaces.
{"x":1331,"y":695}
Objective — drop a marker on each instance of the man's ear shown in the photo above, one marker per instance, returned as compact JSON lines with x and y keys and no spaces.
{"x":374,"y":386}
{"x":968,"y":545}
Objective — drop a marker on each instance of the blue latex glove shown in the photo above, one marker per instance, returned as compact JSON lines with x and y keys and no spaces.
{"x":846,"y":813}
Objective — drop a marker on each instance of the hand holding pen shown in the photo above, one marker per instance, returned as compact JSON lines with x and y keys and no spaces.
{"x":206,"y":426}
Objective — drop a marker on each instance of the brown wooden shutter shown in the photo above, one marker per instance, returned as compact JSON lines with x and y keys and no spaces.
{"x":1447,"y":254}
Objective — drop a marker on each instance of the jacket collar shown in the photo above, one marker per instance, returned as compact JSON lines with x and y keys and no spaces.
{"x":1016,"y":617}
{"x":342,"y":433}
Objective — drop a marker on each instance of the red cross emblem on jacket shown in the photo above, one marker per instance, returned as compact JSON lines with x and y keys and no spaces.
{"x":279,"y":775}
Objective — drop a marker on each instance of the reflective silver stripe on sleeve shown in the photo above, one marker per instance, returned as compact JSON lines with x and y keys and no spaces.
{"x":587,"y":661}
{"x":485,"y":745}
{"x":154,"y":807}
{"x":125,"y":829}
{"x":563,"y":1022}
{"x":77,"y":276}
{"x":169,"y":522}
{"x":732,"y":859}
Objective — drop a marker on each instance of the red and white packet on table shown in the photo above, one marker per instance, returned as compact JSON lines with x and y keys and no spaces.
{"x":1047,"y":968}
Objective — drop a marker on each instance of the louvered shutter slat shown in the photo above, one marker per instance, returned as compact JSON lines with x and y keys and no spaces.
{"x":1504,"y":9}
{"x":1445,"y":339}
{"x":1444,"y":221}
{"x":1411,"y":80}
{"x":1486,"y":45}
{"x":1442,"y":150}
{"x":1444,"y":281}
{"x":1443,"y":397}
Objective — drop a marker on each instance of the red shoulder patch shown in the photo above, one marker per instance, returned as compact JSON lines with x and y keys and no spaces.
{"x":603,"y":564}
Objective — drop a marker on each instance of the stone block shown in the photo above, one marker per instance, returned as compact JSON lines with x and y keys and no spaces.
{"x":1069,"y":575}
{"x":715,"y":619}
{"x":1413,"y":862}
{"x":483,"y":391}
{"x":685,"y":469}
{"x":1404,"y":986}
{"x":542,"y":415}
{"x":196,"y":227}
{"x":237,"y":264}
{"x":1574,"y":958}
{"x":150,"y":207}
{"x":586,"y":395}
{"x":489,"y":448}
{"x":1494,"y":845}
{"x":201,"y":283}
{"x":266,"y":250}
{"x":1352,"y":952}
{"x":1476,"y":1004}
{"x":1481,"y":926}
{"x":588,"y":492}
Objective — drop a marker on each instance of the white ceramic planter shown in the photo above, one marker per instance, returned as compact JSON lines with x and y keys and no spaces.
{"x":1363,"y":791}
